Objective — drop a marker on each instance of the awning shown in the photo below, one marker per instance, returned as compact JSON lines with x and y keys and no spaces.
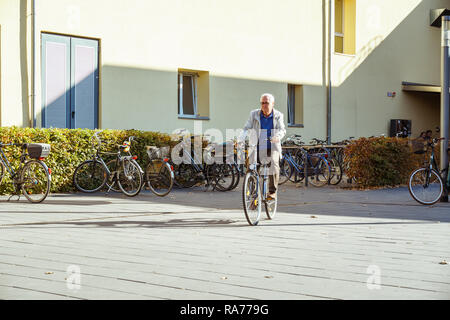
{"x":420,"y":87}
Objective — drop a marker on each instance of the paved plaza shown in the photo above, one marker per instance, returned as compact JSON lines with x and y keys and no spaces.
{"x":324,"y":243}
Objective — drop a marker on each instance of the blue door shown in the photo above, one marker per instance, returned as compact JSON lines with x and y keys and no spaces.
{"x":69,"y":82}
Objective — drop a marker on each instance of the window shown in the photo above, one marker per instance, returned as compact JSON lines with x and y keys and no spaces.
{"x":187,"y":94}
{"x":339,"y":26}
{"x":344,"y":26}
{"x":295,"y":105}
{"x":193,"y":94}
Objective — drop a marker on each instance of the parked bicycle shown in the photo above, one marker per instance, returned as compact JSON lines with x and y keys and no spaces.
{"x":124,"y":172}
{"x":159,"y":174}
{"x":332,"y":159}
{"x":427,"y":184}
{"x":193,"y":170}
{"x":293,"y":166}
{"x":33,"y":177}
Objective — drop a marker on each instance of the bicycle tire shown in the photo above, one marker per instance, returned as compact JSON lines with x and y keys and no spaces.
{"x":298,"y":176}
{"x":130,"y":178}
{"x":222,"y":175}
{"x":251,"y":201}
{"x":185,"y":175}
{"x":95,"y":179}
{"x":336,"y":172}
{"x":417,"y":189}
{"x":271,"y":208}
{"x":286,"y":170}
{"x":237,"y":176}
{"x":321,"y":172}
{"x":159,"y":177}
{"x":35,"y":181}
{"x":2,"y":171}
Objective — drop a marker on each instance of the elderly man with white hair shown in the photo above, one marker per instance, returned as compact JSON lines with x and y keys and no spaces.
{"x":266,"y":129}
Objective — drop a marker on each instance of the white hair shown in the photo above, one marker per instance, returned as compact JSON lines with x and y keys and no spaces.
{"x":269,"y":96}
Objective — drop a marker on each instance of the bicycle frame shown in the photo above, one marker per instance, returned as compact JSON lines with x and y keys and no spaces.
{"x":8,"y":165}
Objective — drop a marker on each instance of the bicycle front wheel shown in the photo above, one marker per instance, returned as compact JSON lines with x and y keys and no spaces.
{"x":251,"y":197}
{"x":130,"y":178}
{"x":90,"y":176}
{"x":159,"y":177}
{"x":425,"y":186}
{"x":35,"y":181}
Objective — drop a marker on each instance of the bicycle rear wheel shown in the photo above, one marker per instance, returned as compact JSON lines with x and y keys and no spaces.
{"x":237,"y":176}
{"x":2,"y":171}
{"x":425,"y":186}
{"x":222,"y":175}
{"x":185,"y":175}
{"x":271,"y":208}
{"x":35,"y":180}
{"x":130,"y":178}
{"x":251,"y":197}
{"x":336,"y":171}
{"x":90,"y":176}
{"x":320,"y":171}
{"x":285,"y":171}
{"x":159,"y":177}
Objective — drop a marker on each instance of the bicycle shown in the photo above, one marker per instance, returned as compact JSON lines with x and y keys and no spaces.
{"x":159,"y":174}
{"x":426,"y":184}
{"x":33,"y":177}
{"x":292,"y":166}
{"x":92,"y":175}
{"x":193,"y":171}
{"x":332,"y":159}
{"x":253,"y":196}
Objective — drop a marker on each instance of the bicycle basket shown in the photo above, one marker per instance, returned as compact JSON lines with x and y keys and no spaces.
{"x":157,"y":153}
{"x":38,"y":150}
{"x":418,"y":146}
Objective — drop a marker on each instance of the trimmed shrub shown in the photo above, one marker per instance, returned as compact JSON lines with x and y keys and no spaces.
{"x":381,"y":161}
{"x":70,"y":147}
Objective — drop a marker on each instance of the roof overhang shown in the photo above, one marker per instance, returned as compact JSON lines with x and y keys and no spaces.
{"x":436,"y":16}
{"x":420,"y":87}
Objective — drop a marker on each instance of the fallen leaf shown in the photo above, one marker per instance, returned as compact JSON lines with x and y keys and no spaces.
{"x":443,"y":262}
{"x":49,"y":272}
{"x":268,"y":277}
{"x":314,"y":217}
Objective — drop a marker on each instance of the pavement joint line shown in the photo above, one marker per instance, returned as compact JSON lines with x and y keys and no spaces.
{"x":41,"y":291}
{"x":179,"y":259}
{"x":63,"y":281}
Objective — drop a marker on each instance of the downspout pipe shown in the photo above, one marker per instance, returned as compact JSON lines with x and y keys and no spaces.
{"x":445,"y":96}
{"x":33,"y":69}
{"x":329,"y":74}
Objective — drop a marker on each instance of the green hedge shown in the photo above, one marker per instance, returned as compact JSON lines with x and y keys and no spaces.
{"x":70,"y":147}
{"x":381,"y":161}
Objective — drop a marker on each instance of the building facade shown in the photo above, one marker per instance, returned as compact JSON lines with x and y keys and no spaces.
{"x":335,"y":67}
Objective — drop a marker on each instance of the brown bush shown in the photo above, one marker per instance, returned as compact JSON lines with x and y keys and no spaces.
{"x":381,"y":161}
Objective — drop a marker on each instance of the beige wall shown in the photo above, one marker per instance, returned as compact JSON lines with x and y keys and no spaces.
{"x":14,"y":68}
{"x":248,"y":47}
{"x":394,"y":43}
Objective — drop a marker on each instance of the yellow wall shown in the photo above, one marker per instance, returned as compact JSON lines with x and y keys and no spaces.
{"x":247,"y":48}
